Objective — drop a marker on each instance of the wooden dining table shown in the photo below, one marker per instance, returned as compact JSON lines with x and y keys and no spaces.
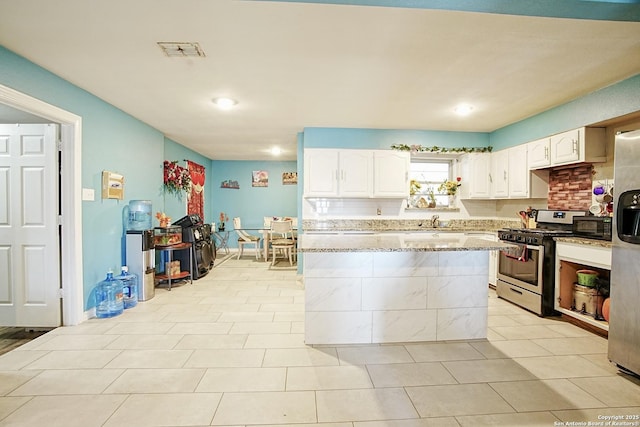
{"x":266,"y":237}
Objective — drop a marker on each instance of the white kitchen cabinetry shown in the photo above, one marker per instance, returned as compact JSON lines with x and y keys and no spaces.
{"x":511,"y":177}
{"x":577,"y":146}
{"x":539,"y":154}
{"x":518,"y":175}
{"x":493,"y":255}
{"x":391,"y":173}
{"x":475,"y":169}
{"x":355,"y":173}
{"x":500,"y":174}
{"x":320,"y":173}
{"x":571,"y":257}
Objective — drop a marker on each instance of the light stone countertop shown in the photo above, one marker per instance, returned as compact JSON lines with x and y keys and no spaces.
{"x":395,"y":242}
{"x":584,"y":241}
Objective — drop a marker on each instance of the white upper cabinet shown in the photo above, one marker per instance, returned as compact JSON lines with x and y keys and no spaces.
{"x":355,"y":169}
{"x":565,"y":147}
{"x":539,"y":153}
{"x":475,"y":169}
{"x":510,"y":177}
{"x":355,"y":173}
{"x":320,"y":173}
{"x":518,"y":171}
{"x":391,"y":173}
{"x":577,"y":146}
{"x":500,"y":174}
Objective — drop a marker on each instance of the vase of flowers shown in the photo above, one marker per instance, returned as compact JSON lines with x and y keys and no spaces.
{"x":176,"y":178}
{"x":223,"y":218}
{"x":450,"y":188}
{"x":163,"y":219}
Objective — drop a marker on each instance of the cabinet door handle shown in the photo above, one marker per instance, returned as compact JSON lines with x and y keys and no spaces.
{"x":546,"y":153}
{"x":575,"y":145}
{"x":490,"y":178}
{"x":516,"y":291}
{"x":504,"y":173}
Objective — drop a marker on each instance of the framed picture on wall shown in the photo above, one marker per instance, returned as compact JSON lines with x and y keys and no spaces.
{"x":260,"y":179}
{"x":289,"y":178}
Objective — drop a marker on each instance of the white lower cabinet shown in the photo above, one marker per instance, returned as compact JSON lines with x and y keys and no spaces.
{"x":570,"y":258}
{"x":493,"y":255}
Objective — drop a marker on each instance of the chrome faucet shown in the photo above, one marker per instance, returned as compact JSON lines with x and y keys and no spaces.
{"x":435,"y":221}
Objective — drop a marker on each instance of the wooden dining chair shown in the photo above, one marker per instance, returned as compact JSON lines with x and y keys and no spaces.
{"x":281,"y":237}
{"x":245,"y":238}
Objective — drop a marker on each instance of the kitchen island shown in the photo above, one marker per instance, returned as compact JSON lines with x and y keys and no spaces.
{"x":395,"y":287}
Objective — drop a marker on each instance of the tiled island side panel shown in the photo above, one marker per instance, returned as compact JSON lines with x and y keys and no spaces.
{"x":381,"y":297}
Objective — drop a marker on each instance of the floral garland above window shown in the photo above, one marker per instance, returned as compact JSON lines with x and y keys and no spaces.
{"x":436,"y":149}
{"x":176,"y":178}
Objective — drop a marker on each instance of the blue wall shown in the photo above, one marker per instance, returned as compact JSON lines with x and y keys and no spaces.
{"x":249,"y":203}
{"x":385,"y":138}
{"x":111,"y":140}
{"x":607,"y":103}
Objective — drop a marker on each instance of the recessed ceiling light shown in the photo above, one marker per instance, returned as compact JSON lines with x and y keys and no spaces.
{"x":276,"y":151}
{"x":225,"y":103}
{"x":463,"y":109}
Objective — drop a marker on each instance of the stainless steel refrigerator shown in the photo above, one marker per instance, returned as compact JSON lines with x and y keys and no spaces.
{"x":624,"y":318}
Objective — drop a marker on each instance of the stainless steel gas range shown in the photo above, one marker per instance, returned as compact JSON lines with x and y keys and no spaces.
{"x":526,"y":275}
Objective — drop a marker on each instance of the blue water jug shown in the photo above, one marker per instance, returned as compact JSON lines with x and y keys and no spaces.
{"x":109,"y":300}
{"x":138,"y":215}
{"x":129,"y":287}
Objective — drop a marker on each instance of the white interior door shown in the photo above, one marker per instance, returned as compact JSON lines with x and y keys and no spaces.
{"x":29,"y":243}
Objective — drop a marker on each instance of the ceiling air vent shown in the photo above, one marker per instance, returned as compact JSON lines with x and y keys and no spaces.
{"x":180,"y":49}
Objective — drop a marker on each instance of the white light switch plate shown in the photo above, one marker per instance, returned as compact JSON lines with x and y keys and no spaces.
{"x":88,"y":194}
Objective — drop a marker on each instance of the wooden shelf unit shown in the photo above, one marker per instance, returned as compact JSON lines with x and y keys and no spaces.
{"x":569,"y":259}
{"x":170,"y":249}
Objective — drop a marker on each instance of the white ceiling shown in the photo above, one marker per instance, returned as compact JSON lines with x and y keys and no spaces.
{"x":297,"y":65}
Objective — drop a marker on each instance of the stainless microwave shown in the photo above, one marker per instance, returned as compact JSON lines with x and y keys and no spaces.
{"x":592,"y":227}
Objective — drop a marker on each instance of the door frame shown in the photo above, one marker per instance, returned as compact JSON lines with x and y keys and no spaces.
{"x":71,"y":189}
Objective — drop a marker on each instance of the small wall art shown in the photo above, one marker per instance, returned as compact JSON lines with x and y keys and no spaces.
{"x":234,"y":185}
{"x":112,"y":185}
{"x":260,"y":179}
{"x":289,"y":178}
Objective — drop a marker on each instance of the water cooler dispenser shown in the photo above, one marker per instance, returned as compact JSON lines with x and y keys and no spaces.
{"x":141,"y":260}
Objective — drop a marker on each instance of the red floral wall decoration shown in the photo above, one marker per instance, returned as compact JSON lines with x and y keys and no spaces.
{"x":195,"y":197}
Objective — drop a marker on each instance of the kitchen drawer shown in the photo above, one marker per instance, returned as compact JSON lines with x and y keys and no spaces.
{"x":519,"y":296}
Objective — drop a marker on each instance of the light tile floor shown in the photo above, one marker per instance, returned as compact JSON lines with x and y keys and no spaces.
{"x":229,"y":350}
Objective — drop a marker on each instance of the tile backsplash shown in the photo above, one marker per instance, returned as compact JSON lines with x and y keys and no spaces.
{"x":570,"y":187}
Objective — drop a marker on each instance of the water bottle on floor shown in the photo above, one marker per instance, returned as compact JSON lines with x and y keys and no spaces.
{"x":109,"y":300}
{"x":129,"y":287}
